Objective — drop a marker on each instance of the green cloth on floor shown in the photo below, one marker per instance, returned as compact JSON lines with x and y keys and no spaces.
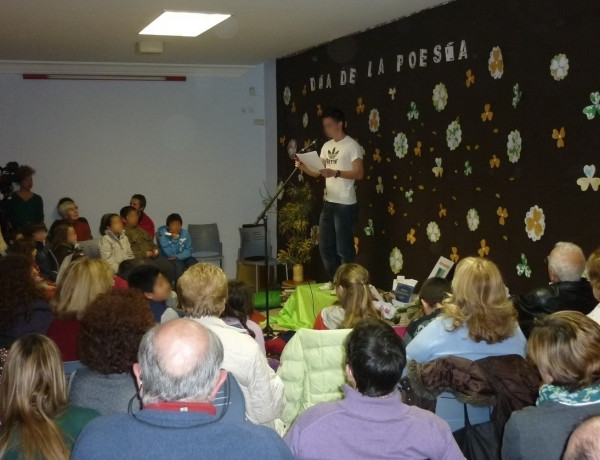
{"x":303,"y":306}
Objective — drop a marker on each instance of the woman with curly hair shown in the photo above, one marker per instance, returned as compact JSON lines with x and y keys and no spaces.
{"x":37,"y":421}
{"x":112,"y":329}
{"x":23,"y":309}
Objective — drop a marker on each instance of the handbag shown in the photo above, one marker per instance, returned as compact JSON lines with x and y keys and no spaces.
{"x":478,"y":442}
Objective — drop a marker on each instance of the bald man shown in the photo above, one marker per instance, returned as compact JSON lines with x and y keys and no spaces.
{"x":567,"y":289}
{"x":584,"y":443}
{"x":178,"y":375}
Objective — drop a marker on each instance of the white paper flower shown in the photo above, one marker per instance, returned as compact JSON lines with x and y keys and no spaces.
{"x":535,"y":223}
{"x":287,"y":95}
{"x":386,"y":309}
{"x":513,"y":146}
{"x":496,"y":63}
{"x":440,"y":97}
{"x":396,"y":260}
{"x":559,"y":67}
{"x":401,"y":145}
{"x":433,"y":232}
{"x":453,"y":135}
{"x":473,"y":219}
{"x":374,"y":120}
{"x":305,"y":119}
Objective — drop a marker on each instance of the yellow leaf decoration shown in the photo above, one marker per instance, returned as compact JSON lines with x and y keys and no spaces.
{"x":304,"y":91}
{"x":293,"y":109}
{"x":360,"y":108}
{"x":410,"y":237}
{"x":454,"y":255}
{"x":319,"y":110}
{"x":442,"y":212}
{"x":502,"y":215}
{"x":559,"y":135}
{"x":487,"y":114}
{"x":377,"y":156}
{"x":391,"y":211}
{"x":282,"y":140}
{"x":470,"y":78}
{"x":418,"y":149}
{"x":494,"y":162}
{"x":484,"y":250}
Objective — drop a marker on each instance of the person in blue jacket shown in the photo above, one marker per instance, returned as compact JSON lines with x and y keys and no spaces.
{"x":175,"y":244}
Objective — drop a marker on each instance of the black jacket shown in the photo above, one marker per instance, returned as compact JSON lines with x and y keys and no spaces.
{"x":46,"y":261}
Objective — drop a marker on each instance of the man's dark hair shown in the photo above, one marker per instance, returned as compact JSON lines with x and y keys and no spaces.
{"x":32,"y":228}
{"x":125,"y":210}
{"x":141,"y":198}
{"x":174,"y":218}
{"x":127,"y":266}
{"x":376,"y":356}
{"x":335,"y":114}
{"x":434,"y":290}
{"x":143,"y":278}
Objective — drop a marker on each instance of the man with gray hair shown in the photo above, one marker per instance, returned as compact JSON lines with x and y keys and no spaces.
{"x":178,"y":375}
{"x":567,"y":289}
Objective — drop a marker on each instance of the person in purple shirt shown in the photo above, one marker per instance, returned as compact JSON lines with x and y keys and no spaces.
{"x":371,"y":421}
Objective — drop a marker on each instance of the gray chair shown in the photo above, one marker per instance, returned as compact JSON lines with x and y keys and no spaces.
{"x":206,"y":243}
{"x":90,"y":248}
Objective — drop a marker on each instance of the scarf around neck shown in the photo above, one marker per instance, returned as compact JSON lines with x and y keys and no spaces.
{"x":559,"y":394}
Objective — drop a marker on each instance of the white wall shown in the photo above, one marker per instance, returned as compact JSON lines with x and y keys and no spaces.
{"x":187,"y":146}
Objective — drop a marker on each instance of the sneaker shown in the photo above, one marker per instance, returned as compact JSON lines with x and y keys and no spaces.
{"x":327,"y":286}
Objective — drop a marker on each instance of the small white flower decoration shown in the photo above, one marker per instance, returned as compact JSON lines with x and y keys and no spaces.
{"x":473,"y":219}
{"x":396,"y":260}
{"x":287,"y":95}
{"x":409,"y":195}
{"x":433,"y":231}
{"x":496,"y":63}
{"x":559,"y":67}
{"x":440,"y":97}
{"x":305,"y":119}
{"x":453,"y":135}
{"x":513,"y":146}
{"x":535,"y":223}
{"x":401,"y":145}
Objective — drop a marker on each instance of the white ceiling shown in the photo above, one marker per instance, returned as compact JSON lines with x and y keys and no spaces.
{"x":259,"y":30}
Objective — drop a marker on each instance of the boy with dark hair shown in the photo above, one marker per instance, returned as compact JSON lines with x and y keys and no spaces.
{"x":176,"y":244}
{"x":156,"y":288}
{"x":431,"y":295}
{"x":44,"y":258}
{"x":138,"y":201}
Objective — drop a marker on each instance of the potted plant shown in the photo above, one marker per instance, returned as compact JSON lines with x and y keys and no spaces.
{"x":293,"y":224}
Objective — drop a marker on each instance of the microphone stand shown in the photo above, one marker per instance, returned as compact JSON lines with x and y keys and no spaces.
{"x":262,"y":217}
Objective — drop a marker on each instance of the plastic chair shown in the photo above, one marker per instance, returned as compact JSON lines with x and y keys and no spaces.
{"x":206,"y":242}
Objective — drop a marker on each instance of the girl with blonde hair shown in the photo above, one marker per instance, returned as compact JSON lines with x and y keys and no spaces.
{"x":351,"y":283}
{"x":83,"y":280}
{"x":37,"y":420}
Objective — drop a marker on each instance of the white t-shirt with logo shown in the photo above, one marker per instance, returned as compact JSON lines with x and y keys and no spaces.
{"x":339,"y":156}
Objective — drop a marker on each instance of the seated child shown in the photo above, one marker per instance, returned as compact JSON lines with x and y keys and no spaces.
{"x":45,"y":259}
{"x":352,"y":287}
{"x":176,"y":244}
{"x":64,"y":242}
{"x":125,"y":269}
{"x":114,"y":245}
{"x":433,"y":291}
{"x":157,"y":289}
{"x":239,"y":308}
{"x":26,"y":247}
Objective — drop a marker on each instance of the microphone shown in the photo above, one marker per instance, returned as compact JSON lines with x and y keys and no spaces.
{"x":304,"y":150}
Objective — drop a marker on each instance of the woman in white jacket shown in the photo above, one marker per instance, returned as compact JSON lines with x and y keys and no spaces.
{"x":202,"y":291}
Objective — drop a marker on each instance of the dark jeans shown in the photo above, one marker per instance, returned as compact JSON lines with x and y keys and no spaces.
{"x":336,"y":240}
{"x":183,"y":265}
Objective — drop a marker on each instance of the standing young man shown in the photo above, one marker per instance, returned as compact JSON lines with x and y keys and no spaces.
{"x":342,"y":159}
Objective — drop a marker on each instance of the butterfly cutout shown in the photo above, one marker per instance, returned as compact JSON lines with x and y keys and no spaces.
{"x":454,"y":256}
{"x":470,"y":78}
{"x":418,"y":149}
{"x":487,"y":115}
{"x":437,"y":170}
{"x":377,"y":156}
{"x":391,"y":211}
{"x":410,"y":237}
{"x":282,"y":140}
{"x":484,"y":250}
{"x":392,"y":93}
{"x":442,"y":211}
{"x":369,"y":230}
{"x":304,"y":91}
{"x":413,"y":113}
{"x":559,"y":135}
{"x":319,"y":110}
{"x":589,"y":179}
{"x":360,"y":108}
{"x":523,"y":267}
{"x":502,"y":214}
{"x":379,"y":186}
{"x":591,"y":110}
{"x":517,"y":95}
{"x":494,"y":162}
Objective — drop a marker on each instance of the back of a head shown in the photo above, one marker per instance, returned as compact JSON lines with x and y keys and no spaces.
{"x":584,"y":443}
{"x":180,"y":360}
{"x":143,"y":277}
{"x":23,"y":246}
{"x":83,"y":280}
{"x":434,"y":290}
{"x":566,"y":346}
{"x":567,"y":261}
{"x":376,"y":357}
{"x":479,"y":300}
{"x":112,"y":328}
{"x":33,"y":392}
{"x":33,"y":228}
{"x":239,"y":298}
{"x":127,"y":266}
{"x":17,"y":289}
{"x":202,"y":290}
{"x":356,"y":297}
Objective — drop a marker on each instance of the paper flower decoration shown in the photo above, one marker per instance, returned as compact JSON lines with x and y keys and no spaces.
{"x":413,"y":113}
{"x":559,"y":135}
{"x":392,"y":93}
{"x":410,"y":237}
{"x":468,"y":168}
{"x":319,"y":110}
{"x":396,"y":261}
{"x":535,"y":223}
{"x":494,"y":162}
{"x":487,"y":114}
{"x":305,"y":119}
{"x":379,"y":186}
{"x":409,"y":195}
{"x":453,"y":135}
{"x":287,"y":95}
{"x":484,"y":249}
{"x":401,"y":145}
{"x":472,"y":219}
{"x":282,"y":140}
{"x":391,"y":211}
{"x":470,"y":78}
{"x":559,"y":67}
{"x":454,"y":257}
{"x":513,"y":146}
{"x":377,"y":156}
{"x":374,"y":120}
{"x":496,"y":63}
{"x":417,"y":149}
{"x":502,"y":214}
{"x":589,"y":180}
{"x":442,"y":212}
{"x":437,"y":170}
{"x":369,"y":230}
{"x":517,"y":95}
{"x":433,"y":232}
{"x":440,"y":97}
{"x":360,"y":108}
{"x":523,"y":268}
{"x":591,"y":110}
